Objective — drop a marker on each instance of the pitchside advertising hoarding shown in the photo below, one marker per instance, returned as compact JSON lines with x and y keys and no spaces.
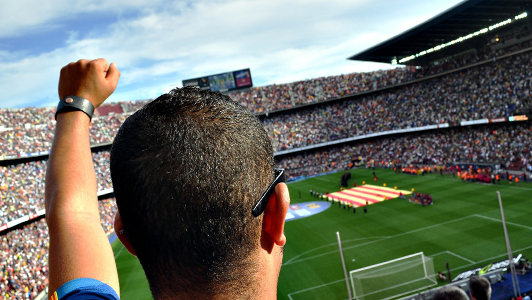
{"x":222,"y":82}
{"x":495,"y":266}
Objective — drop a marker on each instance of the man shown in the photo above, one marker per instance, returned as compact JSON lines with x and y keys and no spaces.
{"x":199,"y":202}
{"x":479,"y":288}
{"x":450,"y":292}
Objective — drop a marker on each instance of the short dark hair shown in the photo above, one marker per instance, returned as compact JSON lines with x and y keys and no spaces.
{"x":187,"y":169}
{"x":479,"y":287}
{"x":450,"y":292}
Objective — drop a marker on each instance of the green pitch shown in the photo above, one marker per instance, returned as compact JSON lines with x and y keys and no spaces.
{"x":463,"y":224}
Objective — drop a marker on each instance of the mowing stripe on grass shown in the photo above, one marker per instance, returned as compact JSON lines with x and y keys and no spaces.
{"x":293,"y":259}
{"x":500,"y":221}
{"x":315,"y":287}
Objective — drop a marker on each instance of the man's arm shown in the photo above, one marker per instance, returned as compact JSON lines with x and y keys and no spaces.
{"x":78,"y":245}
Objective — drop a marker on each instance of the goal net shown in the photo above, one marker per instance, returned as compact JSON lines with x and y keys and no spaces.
{"x":393,"y":278}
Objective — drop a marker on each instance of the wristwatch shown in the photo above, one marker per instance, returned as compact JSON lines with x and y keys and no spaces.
{"x":73,"y":103}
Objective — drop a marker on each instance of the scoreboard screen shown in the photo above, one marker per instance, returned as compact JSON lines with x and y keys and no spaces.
{"x":223,"y":82}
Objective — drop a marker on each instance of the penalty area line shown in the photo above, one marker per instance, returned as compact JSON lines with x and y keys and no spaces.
{"x":500,"y":221}
{"x":315,"y":287}
{"x":296,"y":260}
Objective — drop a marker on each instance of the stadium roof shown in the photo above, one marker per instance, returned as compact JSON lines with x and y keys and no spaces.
{"x":459,"y":21}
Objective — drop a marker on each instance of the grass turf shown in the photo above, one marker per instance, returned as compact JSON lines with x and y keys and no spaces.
{"x":464,"y":221}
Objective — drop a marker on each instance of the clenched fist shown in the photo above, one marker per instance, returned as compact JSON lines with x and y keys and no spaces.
{"x":94,"y":80}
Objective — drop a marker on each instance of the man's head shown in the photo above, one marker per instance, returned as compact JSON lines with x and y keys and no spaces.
{"x":450,"y":292}
{"x":479,"y":288}
{"x":187,"y":170}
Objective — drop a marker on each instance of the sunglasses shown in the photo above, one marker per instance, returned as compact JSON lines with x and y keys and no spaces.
{"x":259,"y":207}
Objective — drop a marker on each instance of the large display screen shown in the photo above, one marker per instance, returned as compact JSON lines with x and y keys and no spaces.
{"x":223,"y":82}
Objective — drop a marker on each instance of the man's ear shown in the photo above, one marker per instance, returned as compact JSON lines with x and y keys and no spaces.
{"x":274,"y":217}
{"x":122,"y":235}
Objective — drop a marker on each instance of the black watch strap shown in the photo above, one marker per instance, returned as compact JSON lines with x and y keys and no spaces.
{"x":73,"y":103}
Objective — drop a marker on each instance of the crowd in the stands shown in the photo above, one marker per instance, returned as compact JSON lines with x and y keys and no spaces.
{"x":493,"y":90}
{"x":496,"y":89}
{"x":24,"y":256}
{"x":282,"y":96}
{"x":501,"y":145}
{"x":22,"y":186}
{"x":24,"y":262}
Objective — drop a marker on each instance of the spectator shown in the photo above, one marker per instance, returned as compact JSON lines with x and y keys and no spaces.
{"x":450,"y":292}
{"x":479,"y":288}
{"x":187,"y":256}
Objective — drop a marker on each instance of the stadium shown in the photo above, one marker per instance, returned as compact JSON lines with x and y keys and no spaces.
{"x":427,"y":146}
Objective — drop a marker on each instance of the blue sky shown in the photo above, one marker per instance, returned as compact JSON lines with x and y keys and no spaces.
{"x":156,"y":44}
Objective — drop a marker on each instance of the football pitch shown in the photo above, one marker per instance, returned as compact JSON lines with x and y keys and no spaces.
{"x":463,"y":226}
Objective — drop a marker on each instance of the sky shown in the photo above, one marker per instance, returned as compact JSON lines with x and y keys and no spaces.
{"x":156,"y":43}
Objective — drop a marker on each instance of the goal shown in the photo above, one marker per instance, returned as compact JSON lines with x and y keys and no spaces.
{"x":393,"y":278}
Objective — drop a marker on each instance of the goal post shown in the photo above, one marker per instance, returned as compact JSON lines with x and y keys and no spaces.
{"x":393,"y":278}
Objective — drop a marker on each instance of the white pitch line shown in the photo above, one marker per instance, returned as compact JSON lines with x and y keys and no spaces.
{"x":121,"y":249}
{"x":292,"y":260}
{"x":500,"y":221}
{"x":332,"y":244}
{"x":461,"y":257}
{"x":442,"y":252}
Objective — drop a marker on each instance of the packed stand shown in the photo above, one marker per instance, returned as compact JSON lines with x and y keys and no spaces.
{"x":497,"y":89}
{"x":499,"y":145}
{"x":22,"y":186}
{"x":31,"y":130}
{"x":24,"y":255}
{"x":24,"y":261}
{"x":282,"y":96}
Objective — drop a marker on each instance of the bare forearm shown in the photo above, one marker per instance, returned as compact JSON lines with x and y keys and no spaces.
{"x":70,"y":178}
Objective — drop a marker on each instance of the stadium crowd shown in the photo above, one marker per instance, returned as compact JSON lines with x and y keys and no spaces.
{"x":495,"y":89}
{"x":499,"y":144}
{"x":22,"y":186}
{"x":24,"y":256}
{"x":24,"y":262}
